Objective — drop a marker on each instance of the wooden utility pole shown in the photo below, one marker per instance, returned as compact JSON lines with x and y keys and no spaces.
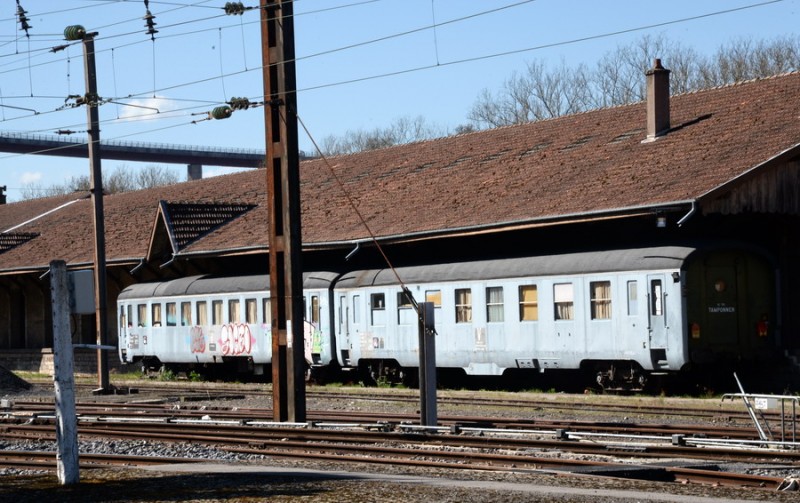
{"x":90,"y":100}
{"x":283,"y":192}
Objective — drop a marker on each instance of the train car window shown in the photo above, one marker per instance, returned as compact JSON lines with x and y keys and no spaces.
{"x":130,"y":315}
{"x":656,"y":298}
{"x":405,"y":311}
{"x":234,"y":312}
{"x":377,"y":305}
{"x":216,"y":312}
{"x":633,"y":298}
{"x":315,"y":310}
{"x":250,"y":315}
{"x":202,"y":312}
{"x":172,"y":314}
{"x":494,"y":304}
{"x":463,"y":305}
{"x":356,"y":309}
{"x":122,"y":317}
{"x":600,"y":300}
{"x":266,"y":311}
{"x":528,"y":303}
{"x":186,"y":314}
{"x":434,"y":296}
{"x":564,"y":301}
{"x":156,"y":312}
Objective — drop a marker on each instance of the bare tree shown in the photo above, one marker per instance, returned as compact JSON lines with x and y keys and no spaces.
{"x":744,"y":59}
{"x":617,"y":79}
{"x":122,"y":179}
{"x":534,"y":95}
{"x":402,"y":130}
{"x":153,"y":176}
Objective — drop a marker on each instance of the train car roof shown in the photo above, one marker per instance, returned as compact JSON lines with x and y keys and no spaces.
{"x":203,"y":285}
{"x":633,"y":259}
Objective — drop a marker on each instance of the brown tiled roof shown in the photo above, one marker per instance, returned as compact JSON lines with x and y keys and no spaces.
{"x":13,"y":215}
{"x":589,"y":163}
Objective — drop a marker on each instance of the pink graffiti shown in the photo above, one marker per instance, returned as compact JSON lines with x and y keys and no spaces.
{"x":198,"y":340}
{"x":236,"y":339}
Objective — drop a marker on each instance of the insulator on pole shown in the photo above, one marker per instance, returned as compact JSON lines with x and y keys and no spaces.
{"x":23,"y":19}
{"x":150,"y":24}
{"x":74,"y":32}
{"x":240,"y":103}
{"x":222,"y":112}
{"x":234,"y":8}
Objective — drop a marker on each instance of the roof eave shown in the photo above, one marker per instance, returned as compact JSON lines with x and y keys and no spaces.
{"x":511,"y":225}
{"x":784,"y":156}
{"x":40,"y":269}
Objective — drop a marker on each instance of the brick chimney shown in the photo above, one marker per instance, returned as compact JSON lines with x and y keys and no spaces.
{"x":657,"y":101}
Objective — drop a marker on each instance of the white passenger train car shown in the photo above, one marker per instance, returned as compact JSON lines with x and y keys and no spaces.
{"x":621,"y":314}
{"x":201,"y":323}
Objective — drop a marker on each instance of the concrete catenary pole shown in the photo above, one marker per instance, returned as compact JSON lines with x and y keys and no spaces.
{"x":427,"y":365}
{"x":66,"y":421}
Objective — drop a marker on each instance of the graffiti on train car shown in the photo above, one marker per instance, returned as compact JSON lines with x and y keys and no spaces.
{"x":236,"y":339}
{"x":198,"y":340}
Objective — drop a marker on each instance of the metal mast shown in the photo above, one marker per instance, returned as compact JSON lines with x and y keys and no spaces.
{"x":283,"y":192}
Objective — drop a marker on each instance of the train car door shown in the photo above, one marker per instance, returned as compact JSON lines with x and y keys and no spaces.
{"x":342,"y":329}
{"x":656,"y":311}
{"x":349,"y":326}
{"x":721,"y":327}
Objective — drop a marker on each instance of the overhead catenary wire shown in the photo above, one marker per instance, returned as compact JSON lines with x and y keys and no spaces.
{"x":353,"y":205}
{"x":435,"y":39}
{"x":371,"y":41}
{"x":421,"y":68}
{"x":471,"y":59}
{"x":453,"y":62}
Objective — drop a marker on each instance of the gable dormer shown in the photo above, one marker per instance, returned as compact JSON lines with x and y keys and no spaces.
{"x":179,"y":224}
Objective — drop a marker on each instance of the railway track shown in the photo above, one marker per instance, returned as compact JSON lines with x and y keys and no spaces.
{"x":721,"y":412}
{"x":462,"y":447}
{"x":413,"y":449}
{"x":499,"y":441}
{"x":46,"y":460}
{"x":180,"y":407}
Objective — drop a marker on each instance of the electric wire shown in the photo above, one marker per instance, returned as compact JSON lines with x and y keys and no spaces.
{"x":538,"y":47}
{"x":339,"y":49}
{"x":471,"y":59}
{"x":435,"y":38}
{"x":221,"y":68}
{"x":353,"y":205}
{"x":465,"y":60}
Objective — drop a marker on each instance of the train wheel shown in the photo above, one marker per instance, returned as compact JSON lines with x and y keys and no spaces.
{"x":409,"y":378}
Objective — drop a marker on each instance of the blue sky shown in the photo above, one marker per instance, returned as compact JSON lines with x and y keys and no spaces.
{"x":361,"y":63}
